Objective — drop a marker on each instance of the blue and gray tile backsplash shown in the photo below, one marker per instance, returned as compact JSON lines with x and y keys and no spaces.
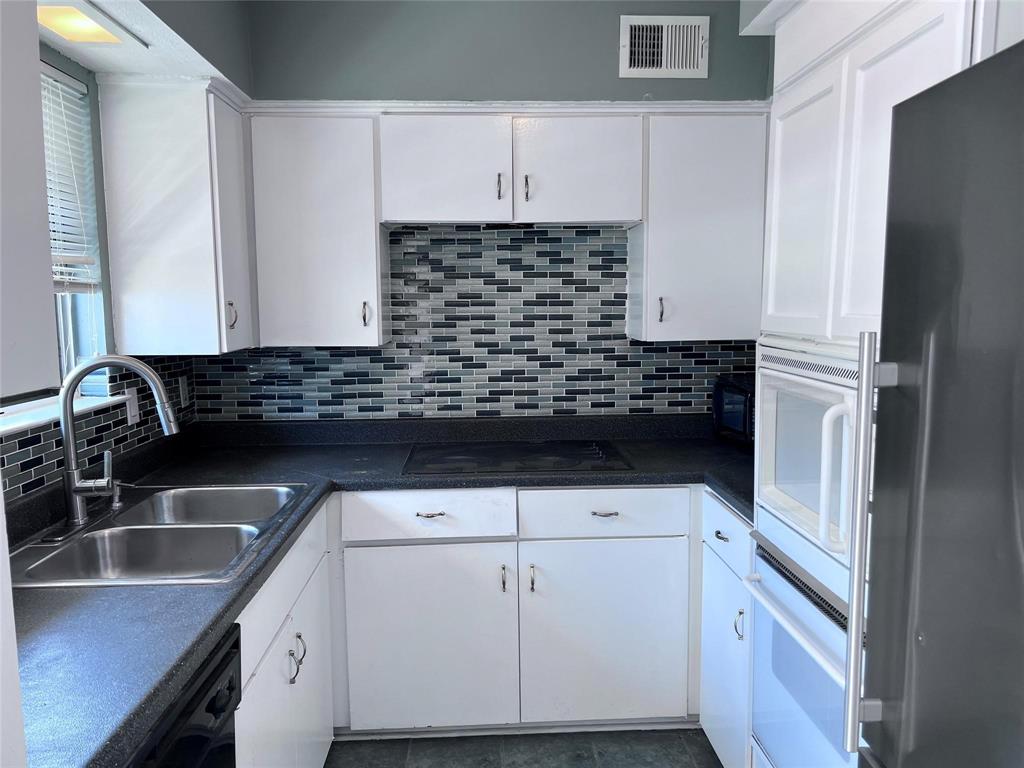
{"x":487,"y":321}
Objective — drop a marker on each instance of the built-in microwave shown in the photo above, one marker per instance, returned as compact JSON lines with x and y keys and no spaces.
{"x":806,"y":405}
{"x":732,"y":407}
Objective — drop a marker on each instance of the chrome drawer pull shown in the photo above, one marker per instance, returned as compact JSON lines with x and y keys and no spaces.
{"x":504,"y":578}
{"x":605,"y":514}
{"x":735,"y":624}
{"x":305,"y":648}
{"x":721,"y":536}
{"x":429,"y":515}
{"x":298,"y":668}
{"x":499,"y":186}
{"x":533,"y":578}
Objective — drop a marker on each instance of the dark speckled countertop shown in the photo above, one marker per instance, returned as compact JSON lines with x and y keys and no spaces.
{"x":99,"y":665}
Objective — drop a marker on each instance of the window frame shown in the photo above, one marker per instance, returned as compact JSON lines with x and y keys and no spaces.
{"x":58,"y":66}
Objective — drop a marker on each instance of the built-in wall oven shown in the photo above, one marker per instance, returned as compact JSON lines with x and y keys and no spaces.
{"x":806,"y":404}
{"x":799,"y":649}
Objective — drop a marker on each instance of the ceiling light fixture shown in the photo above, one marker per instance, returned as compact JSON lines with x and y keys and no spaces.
{"x":73,"y":25}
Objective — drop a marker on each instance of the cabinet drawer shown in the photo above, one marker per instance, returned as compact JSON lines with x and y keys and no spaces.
{"x":434,"y":514}
{"x":603,"y":512}
{"x":262,"y":617}
{"x":727,"y":534}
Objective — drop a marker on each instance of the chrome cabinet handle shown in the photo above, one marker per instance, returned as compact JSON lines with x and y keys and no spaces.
{"x":298,"y":668}
{"x":234,"y":315}
{"x":499,"y":186}
{"x":366,"y":320}
{"x":735,"y":624}
{"x":661,"y":309}
{"x":605,"y":514}
{"x":533,"y":578}
{"x":526,"y":183}
{"x":721,"y":536}
{"x":853,"y":707}
{"x":305,"y":648}
{"x":504,"y":578}
{"x":429,"y":515}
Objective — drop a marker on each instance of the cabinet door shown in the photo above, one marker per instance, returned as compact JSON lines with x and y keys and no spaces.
{"x":804,"y":163}
{"x":317,"y":244}
{"x":231,"y":225}
{"x":265,"y":722}
{"x":312,"y":695}
{"x":724,"y":661}
{"x":913,"y":50}
{"x":603,"y":629}
{"x":432,"y":635}
{"x":579,"y":168}
{"x":446,"y":168}
{"x":705,"y":227}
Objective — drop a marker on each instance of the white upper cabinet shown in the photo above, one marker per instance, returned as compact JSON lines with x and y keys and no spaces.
{"x":174,"y":163}
{"x":695,"y":262}
{"x":579,"y":168}
{"x":439,"y":168}
{"x":318,"y":250}
{"x":496,"y":168}
{"x":829,"y":157}
{"x":916,"y":49}
{"x":802,"y":194}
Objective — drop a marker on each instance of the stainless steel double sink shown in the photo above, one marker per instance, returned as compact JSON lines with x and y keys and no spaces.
{"x":192,"y":535}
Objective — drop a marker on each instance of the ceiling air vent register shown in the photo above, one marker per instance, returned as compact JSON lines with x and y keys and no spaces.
{"x":663,"y":46}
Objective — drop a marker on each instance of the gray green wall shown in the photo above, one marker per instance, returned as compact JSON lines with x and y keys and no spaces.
{"x":450,"y":50}
{"x":499,"y":50}
{"x":217,"y":29}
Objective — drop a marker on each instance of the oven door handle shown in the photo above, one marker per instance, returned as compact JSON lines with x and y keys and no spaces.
{"x":814,"y":650}
{"x":828,"y":427}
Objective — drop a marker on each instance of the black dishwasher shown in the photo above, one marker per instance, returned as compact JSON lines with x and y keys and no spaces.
{"x":198,"y":730}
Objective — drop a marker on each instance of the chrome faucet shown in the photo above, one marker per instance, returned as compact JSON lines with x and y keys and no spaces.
{"x":76,"y":489}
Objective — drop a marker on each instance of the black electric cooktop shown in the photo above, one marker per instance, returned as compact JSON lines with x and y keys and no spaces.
{"x":514,"y":457}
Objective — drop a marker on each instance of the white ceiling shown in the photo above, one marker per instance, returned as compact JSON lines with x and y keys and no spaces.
{"x":167,"y":54}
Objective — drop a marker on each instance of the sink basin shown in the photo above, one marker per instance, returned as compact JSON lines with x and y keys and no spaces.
{"x":191,"y":535}
{"x":212,"y":505}
{"x":144,"y":554}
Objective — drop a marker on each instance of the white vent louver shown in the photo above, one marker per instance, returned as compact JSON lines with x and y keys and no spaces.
{"x":663,"y":46}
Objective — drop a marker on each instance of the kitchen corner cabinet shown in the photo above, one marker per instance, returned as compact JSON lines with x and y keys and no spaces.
{"x":432,"y":635}
{"x":318,"y":242}
{"x":695,"y":261}
{"x":603,"y":629}
{"x":499,"y":168}
{"x":829,"y":164}
{"x":725,"y":661}
{"x":176,"y":152}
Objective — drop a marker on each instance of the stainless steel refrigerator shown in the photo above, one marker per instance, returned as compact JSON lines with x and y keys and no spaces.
{"x":944,"y":641}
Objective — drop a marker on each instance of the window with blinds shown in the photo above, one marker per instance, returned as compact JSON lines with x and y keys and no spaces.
{"x":71,"y":204}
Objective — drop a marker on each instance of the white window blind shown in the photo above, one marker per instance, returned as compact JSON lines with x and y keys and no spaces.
{"x":70,"y":184}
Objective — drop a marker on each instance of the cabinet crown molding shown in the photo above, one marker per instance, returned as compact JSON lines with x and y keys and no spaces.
{"x":338,"y":108}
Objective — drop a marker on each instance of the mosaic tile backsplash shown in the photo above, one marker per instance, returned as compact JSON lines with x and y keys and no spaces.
{"x":34,"y":458}
{"x":486,"y":321}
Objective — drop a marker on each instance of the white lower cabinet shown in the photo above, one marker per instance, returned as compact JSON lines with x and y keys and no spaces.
{"x":432,"y":635}
{"x":725,"y":661}
{"x":286,"y":717}
{"x":603,"y":629}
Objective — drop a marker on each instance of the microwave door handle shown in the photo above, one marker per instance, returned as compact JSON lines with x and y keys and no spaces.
{"x":821,"y":656}
{"x":828,"y":427}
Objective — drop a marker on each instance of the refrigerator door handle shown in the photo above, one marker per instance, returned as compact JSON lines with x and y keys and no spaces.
{"x":853,"y":707}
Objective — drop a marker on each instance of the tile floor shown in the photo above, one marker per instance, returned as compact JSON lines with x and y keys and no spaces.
{"x":617,"y":749}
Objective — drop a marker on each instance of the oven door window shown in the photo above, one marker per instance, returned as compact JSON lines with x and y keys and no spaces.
{"x":805,"y":454}
{"x":797,"y":705}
